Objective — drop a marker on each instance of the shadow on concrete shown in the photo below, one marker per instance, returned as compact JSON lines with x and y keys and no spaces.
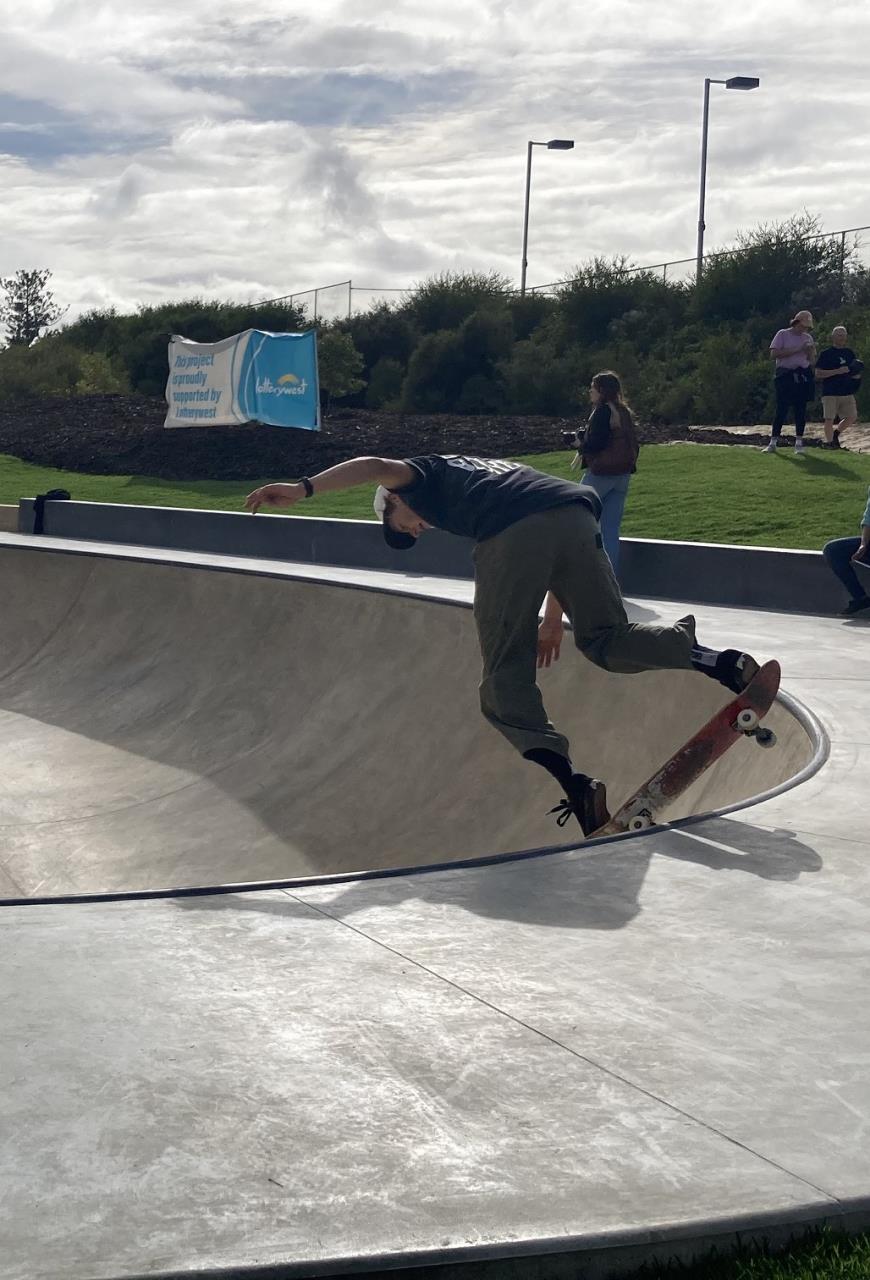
{"x":594,"y":888}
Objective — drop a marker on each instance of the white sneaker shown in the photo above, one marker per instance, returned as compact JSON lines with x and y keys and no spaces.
{"x":798,"y":447}
{"x":771,"y":448}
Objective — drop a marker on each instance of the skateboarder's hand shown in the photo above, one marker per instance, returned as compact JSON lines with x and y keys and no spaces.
{"x":274,"y":495}
{"x":862,"y":555}
{"x":549,"y":642}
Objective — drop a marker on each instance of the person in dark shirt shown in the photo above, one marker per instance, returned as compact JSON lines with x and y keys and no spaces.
{"x":533,"y":534}
{"x":839,"y":371}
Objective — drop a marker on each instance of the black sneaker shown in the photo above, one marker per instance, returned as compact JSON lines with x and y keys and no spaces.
{"x":835,"y":442}
{"x":587,"y":801}
{"x":855,"y":606}
{"x":735,"y":669}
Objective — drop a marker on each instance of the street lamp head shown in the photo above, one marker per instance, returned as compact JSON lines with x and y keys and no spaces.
{"x":742,"y":82}
{"x":560,"y":144}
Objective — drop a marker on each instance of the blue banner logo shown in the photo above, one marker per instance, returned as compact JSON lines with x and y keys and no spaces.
{"x":277,"y":381}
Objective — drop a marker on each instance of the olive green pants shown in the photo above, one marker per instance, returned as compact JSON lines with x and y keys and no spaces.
{"x":560,"y":551}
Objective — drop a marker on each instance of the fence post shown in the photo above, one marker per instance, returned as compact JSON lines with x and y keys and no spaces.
{"x":842,"y":268}
{"x":315,"y":306}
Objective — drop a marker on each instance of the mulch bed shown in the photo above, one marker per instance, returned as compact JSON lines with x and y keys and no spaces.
{"x":124,"y":435}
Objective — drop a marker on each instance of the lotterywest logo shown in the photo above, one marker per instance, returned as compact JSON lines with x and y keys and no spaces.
{"x":288,"y":385}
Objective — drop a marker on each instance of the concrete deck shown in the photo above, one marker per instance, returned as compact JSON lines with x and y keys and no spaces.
{"x":626,"y":1050}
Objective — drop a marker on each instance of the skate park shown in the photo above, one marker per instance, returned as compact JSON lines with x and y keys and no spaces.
{"x":304,"y":980}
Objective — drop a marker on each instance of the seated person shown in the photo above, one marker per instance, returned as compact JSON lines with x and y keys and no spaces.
{"x":842,"y":554}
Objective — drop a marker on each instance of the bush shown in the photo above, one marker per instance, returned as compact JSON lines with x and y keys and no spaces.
{"x":537,"y":380}
{"x":446,"y":300}
{"x":385,"y":385}
{"x":435,"y":374}
{"x":775,"y":270}
{"x":733,"y":380}
{"x":339,"y":364}
{"x":480,"y":394}
{"x":54,"y":367}
{"x":384,"y":333}
{"x":608,"y":299}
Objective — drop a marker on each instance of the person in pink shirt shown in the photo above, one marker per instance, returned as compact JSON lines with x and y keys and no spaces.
{"x":794,"y":352}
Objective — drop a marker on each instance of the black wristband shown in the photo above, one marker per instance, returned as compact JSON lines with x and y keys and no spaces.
{"x":307,"y":486}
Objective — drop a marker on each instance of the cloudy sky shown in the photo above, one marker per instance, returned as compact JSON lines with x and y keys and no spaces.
{"x":159,"y":150}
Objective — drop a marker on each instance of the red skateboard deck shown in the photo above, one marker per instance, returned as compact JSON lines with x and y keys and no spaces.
{"x":739,"y":718}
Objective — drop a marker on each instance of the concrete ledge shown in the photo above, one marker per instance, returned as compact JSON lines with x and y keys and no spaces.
{"x":357,"y":544}
{"x":709,"y":573}
{"x":745,"y":577}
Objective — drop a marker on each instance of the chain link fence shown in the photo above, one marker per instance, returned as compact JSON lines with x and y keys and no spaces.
{"x":345,"y":299}
{"x":682,"y":270}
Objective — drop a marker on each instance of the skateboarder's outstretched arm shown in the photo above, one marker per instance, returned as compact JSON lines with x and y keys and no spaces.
{"x":386,"y":471}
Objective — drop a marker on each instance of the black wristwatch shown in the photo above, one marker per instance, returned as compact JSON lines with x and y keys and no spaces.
{"x":307,"y":486}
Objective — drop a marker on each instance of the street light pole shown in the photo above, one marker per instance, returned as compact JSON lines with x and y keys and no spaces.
{"x":526,"y":221}
{"x":555,"y":144}
{"x":733,"y":82}
{"x":704,"y":128}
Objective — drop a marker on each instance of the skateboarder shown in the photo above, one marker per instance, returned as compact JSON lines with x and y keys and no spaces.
{"x":534,"y":533}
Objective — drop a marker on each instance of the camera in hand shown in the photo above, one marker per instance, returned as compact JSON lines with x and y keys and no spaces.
{"x":572,"y":439}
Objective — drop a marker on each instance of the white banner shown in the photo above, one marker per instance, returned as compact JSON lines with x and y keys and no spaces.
{"x":200,"y":388}
{"x":253,"y":376}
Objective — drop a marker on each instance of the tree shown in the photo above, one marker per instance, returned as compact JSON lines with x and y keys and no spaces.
{"x":339,"y":364}
{"x":444,"y":301}
{"x":56,"y":367}
{"x":605,"y":298}
{"x":776,"y":269}
{"x":29,"y":306}
{"x":435,"y":374}
{"x":382,"y":333}
{"x":385,"y":384}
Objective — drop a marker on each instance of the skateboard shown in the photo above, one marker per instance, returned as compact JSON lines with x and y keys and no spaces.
{"x":739,"y":718}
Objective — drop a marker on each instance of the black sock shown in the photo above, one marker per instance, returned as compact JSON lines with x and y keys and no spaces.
{"x":559,"y":766}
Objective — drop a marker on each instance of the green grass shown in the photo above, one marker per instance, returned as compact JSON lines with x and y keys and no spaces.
{"x":823,"y":1256}
{"x":696,"y":493}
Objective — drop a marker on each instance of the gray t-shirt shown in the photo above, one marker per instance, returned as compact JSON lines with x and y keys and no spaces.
{"x":479,"y":497}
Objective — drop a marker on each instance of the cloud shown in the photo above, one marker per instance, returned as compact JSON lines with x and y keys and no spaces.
{"x":151,"y":151}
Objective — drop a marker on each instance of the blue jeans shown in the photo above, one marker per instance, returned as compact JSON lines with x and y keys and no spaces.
{"x":839,"y":556}
{"x":612,"y":490}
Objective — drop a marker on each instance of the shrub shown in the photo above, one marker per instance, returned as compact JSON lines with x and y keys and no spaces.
{"x":55,"y":367}
{"x":445,"y":301}
{"x":385,"y":384}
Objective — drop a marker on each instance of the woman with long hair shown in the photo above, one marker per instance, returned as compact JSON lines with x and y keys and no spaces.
{"x":609,"y":454}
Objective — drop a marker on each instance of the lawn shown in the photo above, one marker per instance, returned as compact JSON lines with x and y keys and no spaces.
{"x":824,"y":1256}
{"x":696,"y":493}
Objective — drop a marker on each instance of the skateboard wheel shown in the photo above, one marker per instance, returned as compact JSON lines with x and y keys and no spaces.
{"x":640,"y":821}
{"x":747,"y":719}
{"x":765,"y":738}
